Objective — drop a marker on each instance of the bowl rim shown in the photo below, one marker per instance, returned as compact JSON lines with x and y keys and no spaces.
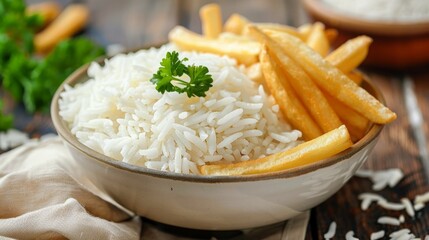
{"x":80,"y":75}
{"x":349,"y":22}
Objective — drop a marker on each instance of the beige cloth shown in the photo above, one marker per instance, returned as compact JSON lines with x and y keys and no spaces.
{"x":40,"y":200}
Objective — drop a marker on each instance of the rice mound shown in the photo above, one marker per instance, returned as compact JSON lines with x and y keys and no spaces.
{"x":119,"y":113}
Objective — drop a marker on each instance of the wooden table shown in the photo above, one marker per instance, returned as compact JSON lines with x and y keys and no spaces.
{"x":134,"y":23}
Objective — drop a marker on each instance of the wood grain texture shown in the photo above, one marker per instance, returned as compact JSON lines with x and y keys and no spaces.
{"x":421,"y":86}
{"x":131,"y":23}
{"x":396,"y":148}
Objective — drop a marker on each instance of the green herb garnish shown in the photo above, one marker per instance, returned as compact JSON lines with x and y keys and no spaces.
{"x":6,"y":121}
{"x":167,"y":77}
{"x":32,"y":79}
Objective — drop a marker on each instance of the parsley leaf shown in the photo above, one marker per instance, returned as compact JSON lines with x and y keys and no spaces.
{"x":32,"y":79}
{"x":6,"y":121}
{"x":167,"y":78}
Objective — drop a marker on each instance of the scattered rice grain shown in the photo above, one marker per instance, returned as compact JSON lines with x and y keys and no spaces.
{"x":408,"y":207}
{"x":331,"y":231}
{"x":350,"y":236}
{"x":389,"y":221}
{"x":377,"y":235}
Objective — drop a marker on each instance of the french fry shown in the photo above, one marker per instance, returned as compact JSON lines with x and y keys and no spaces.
{"x":254,"y":72}
{"x":350,"y":54}
{"x":325,"y":146}
{"x":211,"y":20}
{"x":305,"y":30}
{"x":232,"y":37}
{"x":48,"y":10}
{"x":331,"y":34}
{"x":333,"y":80}
{"x":291,"y":107}
{"x":235,"y":24}
{"x":245,"y":52}
{"x":355,"y":122}
{"x":355,"y":76}
{"x":281,"y":28}
{"x":309,"y":94}
{"x":317,"y":39}
{"x":69,"y":22}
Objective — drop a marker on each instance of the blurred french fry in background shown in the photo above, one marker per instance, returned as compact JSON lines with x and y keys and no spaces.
{"x":332,"y":80}
{"x":331,"y":34}
{"x":48,"y":10}
{"x":245,"y":52}
{"x":350,"y":54}
{"x":320,"y":148}
{"x":69,"y":22}
{"x":291,"y":107}
{"x":317,"y":39}
{"x":211,"y":20}
{"x":281,"y":28}
{"x":235,"y":24}
{"x":228,"y":36}
{"x":305,"y":30}
{"x":309,"y":94}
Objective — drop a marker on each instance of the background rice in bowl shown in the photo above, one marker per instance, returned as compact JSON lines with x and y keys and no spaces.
{"x":118,"y":112}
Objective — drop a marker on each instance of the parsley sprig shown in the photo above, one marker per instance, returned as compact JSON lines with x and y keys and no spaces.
{"x":167,"y":78}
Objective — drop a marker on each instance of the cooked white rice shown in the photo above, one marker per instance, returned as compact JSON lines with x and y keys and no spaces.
{"x":119,"y":113}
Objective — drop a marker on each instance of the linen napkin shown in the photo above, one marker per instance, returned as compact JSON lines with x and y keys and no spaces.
{"x":40,"y":200}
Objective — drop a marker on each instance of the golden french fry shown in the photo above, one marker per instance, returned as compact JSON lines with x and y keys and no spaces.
{"x":305,"y":30}
{"x":333,"y":80}
{"x":254,"y":72}
{"x":291,"y":107}
{"x":211,"y":20}
{"x":355,"y":76}
{"x":355,"y":122}
{"x":331,"y":34}
{"x":244,"y":52}
{"x":69,"y":22}
{"x":327,"y":145}
{"x":309,"y":94}
{"x":317,"y":39}
{"x":350,"y":54}
{"x":235,"y":24}
{"x":48,"y":10}
{"x":232,"y":37}
{"x":281,"y":28}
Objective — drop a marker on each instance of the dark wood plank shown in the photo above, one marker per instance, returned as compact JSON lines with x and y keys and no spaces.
{"x":131,"y":23}
{"x":421,"y":86}
{"x":396,"y":148}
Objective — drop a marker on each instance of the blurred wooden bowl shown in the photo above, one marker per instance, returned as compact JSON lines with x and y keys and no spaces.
{"x":397,"y":45}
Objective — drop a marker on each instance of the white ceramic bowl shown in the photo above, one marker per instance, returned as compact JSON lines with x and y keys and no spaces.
{"x":212,"y":202}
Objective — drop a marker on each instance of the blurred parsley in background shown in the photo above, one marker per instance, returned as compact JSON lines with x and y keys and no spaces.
{"x":32,"y":79}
